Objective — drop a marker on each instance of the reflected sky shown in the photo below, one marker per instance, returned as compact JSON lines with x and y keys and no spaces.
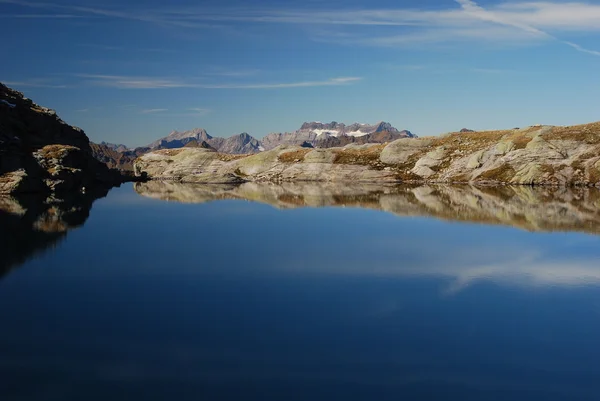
{"x":239,"y":300}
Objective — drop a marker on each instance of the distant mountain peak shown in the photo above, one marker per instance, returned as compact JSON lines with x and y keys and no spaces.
{"x":178,"y":139}
{"x":335,"y":133}
{"x":198,"y":137}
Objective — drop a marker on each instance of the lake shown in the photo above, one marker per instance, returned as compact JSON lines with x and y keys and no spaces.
{"x":162,"y":291}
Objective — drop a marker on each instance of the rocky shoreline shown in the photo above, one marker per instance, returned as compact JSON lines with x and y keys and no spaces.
{"x":537,"y":155}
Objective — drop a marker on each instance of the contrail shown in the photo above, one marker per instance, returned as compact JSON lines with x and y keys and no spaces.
{"x":472,"y":8}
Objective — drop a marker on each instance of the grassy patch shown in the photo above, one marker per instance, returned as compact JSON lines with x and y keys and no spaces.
{"x":294,"y":156}
{"x":56,"y":151}
{"x":588,"y":133}
{"x":367,"y":157}
{"x":504,"y":173}
{"x":226,"y":157}
{"x":239,"y":173}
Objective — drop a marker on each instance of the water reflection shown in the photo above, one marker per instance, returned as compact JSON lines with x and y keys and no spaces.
{"x":529,"y":208}
{"x":31,"y":224}
{"x":153,"y":299}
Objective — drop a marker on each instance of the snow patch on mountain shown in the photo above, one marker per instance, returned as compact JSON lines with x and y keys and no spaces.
{"x":320,"y":132}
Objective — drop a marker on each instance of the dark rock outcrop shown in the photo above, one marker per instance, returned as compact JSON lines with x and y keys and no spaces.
{"x":39,"y":152}
{"x":122,"y":161}
{"x":202,"y":144}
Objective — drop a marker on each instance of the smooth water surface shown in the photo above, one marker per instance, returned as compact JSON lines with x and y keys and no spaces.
{"x":222,"y":298}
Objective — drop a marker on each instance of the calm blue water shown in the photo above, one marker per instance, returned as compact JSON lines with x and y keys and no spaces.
{"x":234,"y":300}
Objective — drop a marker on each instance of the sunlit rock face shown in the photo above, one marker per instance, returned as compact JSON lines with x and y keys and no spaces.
{"x":554,"y":156}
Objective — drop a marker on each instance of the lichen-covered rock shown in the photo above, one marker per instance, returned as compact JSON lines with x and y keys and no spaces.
{"x":399,"y":151}
{"x":187,"y":164}
{"x":284,"y":163}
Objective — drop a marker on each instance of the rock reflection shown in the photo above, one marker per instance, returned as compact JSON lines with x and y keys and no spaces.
{"x":529,"y":208}
{"x":30,"y":225}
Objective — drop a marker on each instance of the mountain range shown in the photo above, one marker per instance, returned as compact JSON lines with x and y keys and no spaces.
{"x":310,"y":134}
{"x":237,"y":144}
{"x":334,"y":134}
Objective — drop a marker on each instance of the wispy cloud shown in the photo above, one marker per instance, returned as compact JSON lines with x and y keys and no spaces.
{"x":582,"y":49}
{"x":199,"y":111}
{"x":514,"y":22}
{"x":125,"y":82}
{"x":36,"y":83}
{"x":41,"y":16}
{"x":153,"y":111}
{"x":143,"y":15}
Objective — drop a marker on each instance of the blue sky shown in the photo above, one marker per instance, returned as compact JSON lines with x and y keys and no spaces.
{"x":130,"y":72}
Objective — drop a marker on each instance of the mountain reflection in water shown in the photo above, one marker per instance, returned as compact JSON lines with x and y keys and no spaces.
{"x":529,"y":208}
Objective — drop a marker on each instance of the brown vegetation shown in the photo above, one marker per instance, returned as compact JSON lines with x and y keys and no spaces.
{"x":56,"y":151}
{"x":294,"y":156}
{"x":368,"y":156}
{"x":227,"y":157}
{"x":504,"y":173}
{"x":588,"y":133}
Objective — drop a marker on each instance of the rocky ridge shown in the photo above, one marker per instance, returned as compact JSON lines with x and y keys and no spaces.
{"x":537,"y":155}
{"x":39,"y":152}
{"x":237,"y":144}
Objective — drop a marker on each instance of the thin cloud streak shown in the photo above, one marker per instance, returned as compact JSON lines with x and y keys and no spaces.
{"x":507,"y":22}
{"x":478,"y":12}
{"x":533,"y":17}
{"x":35,"y":84}
{"x":200,"y":111}
{"x":582,"y":49}
{"x":123,"y":82}
{"x":153,"y":111}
